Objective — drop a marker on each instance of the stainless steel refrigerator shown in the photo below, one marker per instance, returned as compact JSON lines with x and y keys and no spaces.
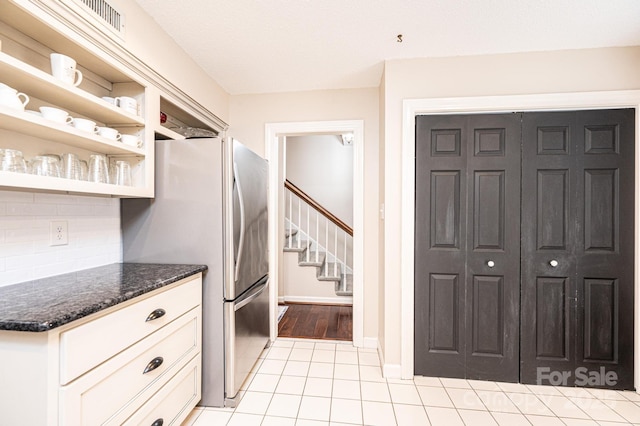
{"x":210,"y":207}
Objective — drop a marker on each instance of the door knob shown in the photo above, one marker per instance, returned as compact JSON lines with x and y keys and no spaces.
{"x":553,"y":263}
{"x":491,"y":263}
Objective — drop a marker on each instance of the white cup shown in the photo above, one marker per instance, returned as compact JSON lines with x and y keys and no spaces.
{"x":109,"y":133}
{"x":56,"y":114}
{"x":131,"y":140}
{"x":64,"y":69}
{"x":85,"y":125}
{"x":109,"y":99}
{"x":128,"y":104}
{"x":11,"y":98}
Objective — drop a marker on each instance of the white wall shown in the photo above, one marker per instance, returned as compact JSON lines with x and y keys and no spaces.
{"x":322,"y":166}
{"x":250,"y":113}
{"x":25,"y":253}
{"x":509,"y":74}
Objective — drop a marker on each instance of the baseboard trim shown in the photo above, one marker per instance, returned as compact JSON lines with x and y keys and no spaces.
{"x":392,"y":371}
{"x":324,"y":300}
{"x":280,"y":300}
{"x":371,"y":343}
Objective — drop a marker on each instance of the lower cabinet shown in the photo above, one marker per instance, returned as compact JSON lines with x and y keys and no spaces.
{"x":137,"y":364}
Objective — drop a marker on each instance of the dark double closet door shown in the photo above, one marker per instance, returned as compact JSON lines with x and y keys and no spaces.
{"x":524,"y":247}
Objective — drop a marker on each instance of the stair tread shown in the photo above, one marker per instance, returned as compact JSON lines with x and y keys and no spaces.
{"x":343,"y":282}
{"x":292,"y":244}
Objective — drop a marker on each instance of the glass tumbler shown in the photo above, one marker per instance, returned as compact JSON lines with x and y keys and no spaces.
{"x":123,"y":173}
{"x":98,"y":169}
{"x":45,"y":165}
{"x":13,"y":161}
{"x":84,"y":170}
{"x":70,"y":166}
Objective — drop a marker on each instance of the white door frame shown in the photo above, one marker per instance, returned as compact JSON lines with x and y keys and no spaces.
{"x":272,"y":152}
{"x":496,"y":104}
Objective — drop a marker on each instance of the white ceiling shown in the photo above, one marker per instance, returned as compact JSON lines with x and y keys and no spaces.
{"x":258,"y":46}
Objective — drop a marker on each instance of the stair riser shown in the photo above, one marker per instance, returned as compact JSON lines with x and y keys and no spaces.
{"x":325,"y":271}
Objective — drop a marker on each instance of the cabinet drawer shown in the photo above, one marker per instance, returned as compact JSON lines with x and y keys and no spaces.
{"x":173,"y":403}
{"x":90,"y":344}
{"x":120,"y":385}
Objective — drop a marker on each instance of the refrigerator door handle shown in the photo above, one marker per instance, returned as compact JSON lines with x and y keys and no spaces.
{"x":242,"y":219}
{"x":248,"y":300}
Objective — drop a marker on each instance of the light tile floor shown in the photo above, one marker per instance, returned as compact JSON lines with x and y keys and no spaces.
{"x":314,"y":382}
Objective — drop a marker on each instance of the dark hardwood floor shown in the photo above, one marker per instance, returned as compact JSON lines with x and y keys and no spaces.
{"x":331,"y":322}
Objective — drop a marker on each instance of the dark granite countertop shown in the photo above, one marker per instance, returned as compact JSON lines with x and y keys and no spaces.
{"x":47,"y":303}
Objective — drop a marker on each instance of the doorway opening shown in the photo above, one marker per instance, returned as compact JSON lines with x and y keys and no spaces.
{"x":316,"y":227}
{"x":317,"y":275}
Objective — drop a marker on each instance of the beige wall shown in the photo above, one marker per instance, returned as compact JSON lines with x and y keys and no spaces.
{"x":147,"y":41}
{"x":508,"y":74}
{"x":250,"y":113}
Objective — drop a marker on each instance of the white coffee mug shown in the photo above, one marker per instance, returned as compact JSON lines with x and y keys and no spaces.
{"x":131,"y":140}
{"x":56,"y":114}
{"x":64,"y":69}
{"x":109,"y":99}
{"x":109,"y":133}
{"x":128,"y":104}
{"x":85,"y":125}
{"x":11,"y":98}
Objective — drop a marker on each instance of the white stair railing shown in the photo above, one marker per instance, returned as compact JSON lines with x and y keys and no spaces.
{"x":311,"y":222}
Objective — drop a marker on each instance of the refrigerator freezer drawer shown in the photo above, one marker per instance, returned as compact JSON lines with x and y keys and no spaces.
{"x":247,"y":334}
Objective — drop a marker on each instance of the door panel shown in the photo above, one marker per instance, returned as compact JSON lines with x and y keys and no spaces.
{"x":552,"y":315}
{"x":577,"y":278}
{"x":600,"y":320}
{"x":605,"y":247}
{"x":548,"y":288}
{"x":600,"y":202}
{"x":445,"y":209}
{"x":552,"y":209}
{"x":488,"y":316}
{"x":443,"y":295}
{"x":440,"y":250}
{"x":488,"y":210}
{"x":467,"y":209}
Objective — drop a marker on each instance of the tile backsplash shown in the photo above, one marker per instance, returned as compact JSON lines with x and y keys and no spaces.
{"x":25,"y":221}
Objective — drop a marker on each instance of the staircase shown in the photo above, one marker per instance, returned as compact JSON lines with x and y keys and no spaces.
{"x":328,"y":268}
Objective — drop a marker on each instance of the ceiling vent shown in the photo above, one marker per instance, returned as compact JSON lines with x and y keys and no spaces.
{"x":99,"y":13}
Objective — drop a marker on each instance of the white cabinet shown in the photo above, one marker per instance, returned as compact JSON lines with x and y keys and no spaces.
{"x":140,"y":360}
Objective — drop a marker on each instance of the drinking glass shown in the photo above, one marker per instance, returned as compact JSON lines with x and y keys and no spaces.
{"x":98,"y":169}
{"x":45,"y":165}
{"x":83,"y":170}
{"x":123,"y":173}
{"x":70,"y":166}
{"x":13,"y":161}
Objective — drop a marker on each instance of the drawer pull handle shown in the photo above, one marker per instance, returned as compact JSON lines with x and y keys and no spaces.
{"x":156,"y":314}
{"x":158,"y":422}
{"x":153,"y":364}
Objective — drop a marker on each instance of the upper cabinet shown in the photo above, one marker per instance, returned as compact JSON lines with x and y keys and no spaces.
{"x":139,"y":106}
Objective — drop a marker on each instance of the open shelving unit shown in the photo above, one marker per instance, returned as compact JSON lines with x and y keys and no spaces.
{"x":26,"y":43}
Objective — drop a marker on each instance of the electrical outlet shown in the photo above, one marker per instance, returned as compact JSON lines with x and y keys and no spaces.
{"x":59,"y":235}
